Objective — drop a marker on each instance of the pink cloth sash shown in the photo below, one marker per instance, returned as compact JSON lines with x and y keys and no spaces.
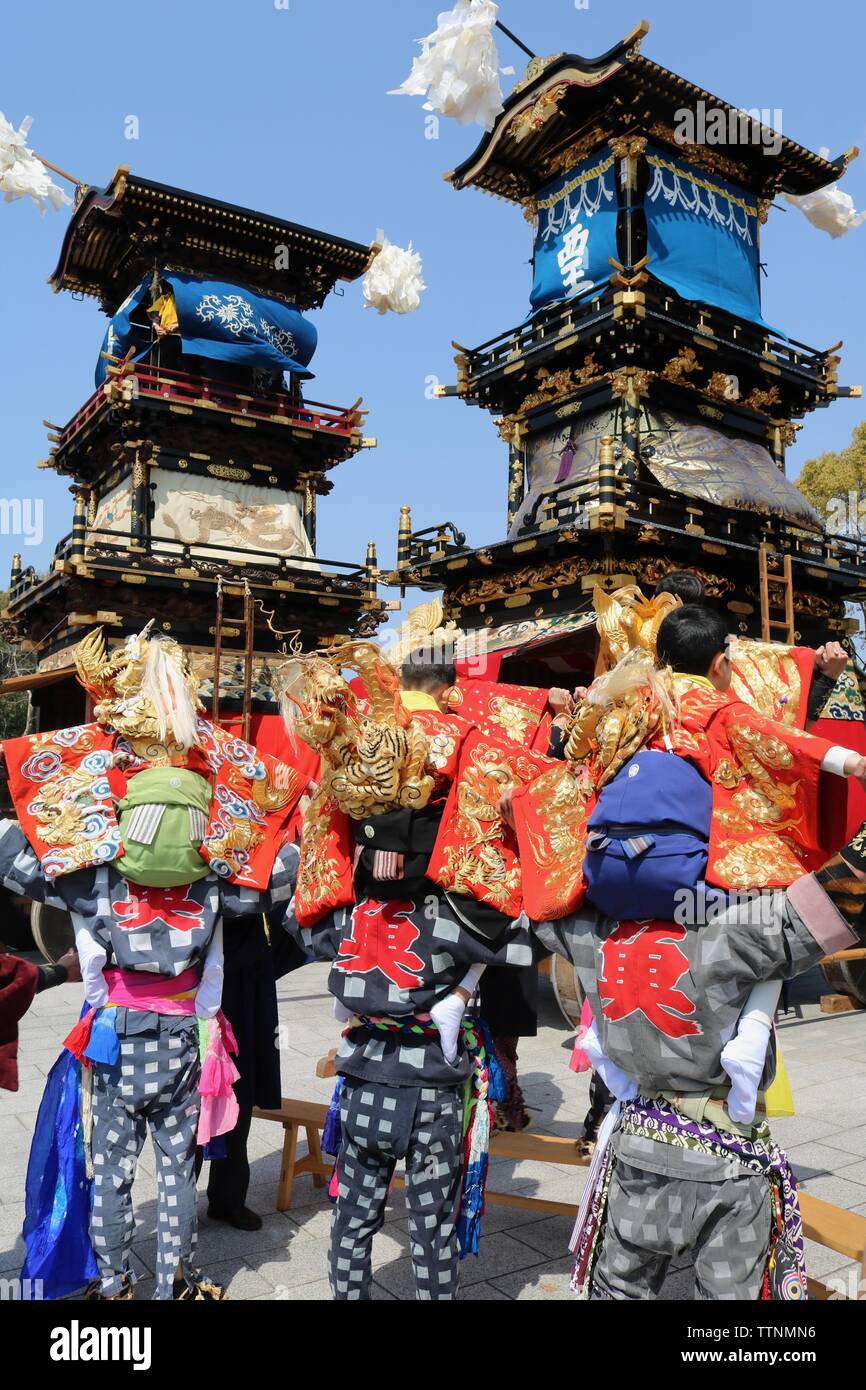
{"x":156,"y":994}
{"x":579,"y":1060}
{"x":159,"y":994}
{"x":219,"y":1107}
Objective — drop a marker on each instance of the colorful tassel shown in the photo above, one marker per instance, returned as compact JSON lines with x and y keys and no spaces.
{"x":76,"y":1041}
{"x":104,"y":1044}
{"x":478,"y":1117}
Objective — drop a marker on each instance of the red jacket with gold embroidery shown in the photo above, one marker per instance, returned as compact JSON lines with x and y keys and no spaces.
{"x":65,"y":784}
{"x":476,"y":853}
{"x":765,"y":830}
{"x":764,"y":776}
{"x":475,"y":756}
{"x":518,"y":713}
{"x":325,"y":876}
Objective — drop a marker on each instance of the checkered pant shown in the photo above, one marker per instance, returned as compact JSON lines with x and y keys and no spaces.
{"x":154,"y":1083}
{"x":382,"y":1124}
{"x":651,"y":1219}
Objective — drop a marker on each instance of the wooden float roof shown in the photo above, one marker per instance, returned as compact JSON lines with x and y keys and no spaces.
{"x":117,"y":235}
{"x":567,"y":106}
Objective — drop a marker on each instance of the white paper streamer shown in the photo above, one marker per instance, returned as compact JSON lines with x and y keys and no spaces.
{"x":458,"y":69}
{"x":830,"y":210}
{"x":22,"y":175}
{"x":394,"y":279}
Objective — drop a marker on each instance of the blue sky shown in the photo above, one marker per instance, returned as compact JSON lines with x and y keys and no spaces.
{"x":285,"y":111}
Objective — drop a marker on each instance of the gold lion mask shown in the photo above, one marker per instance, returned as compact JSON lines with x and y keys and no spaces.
{"x":146,"y":690}
{"x":373,"y":759}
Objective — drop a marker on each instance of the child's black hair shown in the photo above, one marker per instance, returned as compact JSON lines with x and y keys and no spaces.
{"x":690,"y":638}
{"x":428,"y":668}
{"x":682,"y":584}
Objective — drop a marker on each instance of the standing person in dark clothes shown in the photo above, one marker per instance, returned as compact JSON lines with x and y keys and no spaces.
{"x":509,"y":1007}
{"x":254,"y":959}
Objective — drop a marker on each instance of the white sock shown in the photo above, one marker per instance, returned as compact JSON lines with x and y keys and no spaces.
{"x":743,"y":1059}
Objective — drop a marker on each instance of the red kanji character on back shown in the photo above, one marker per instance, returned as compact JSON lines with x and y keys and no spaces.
{"x":168,"y":905}
{"x":642,"y":966}
{"x":382,"y":935}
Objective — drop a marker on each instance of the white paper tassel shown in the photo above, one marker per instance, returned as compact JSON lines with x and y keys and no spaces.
{"x":830,"y":210}
{"x":458,"y":69}
{"x":164,"y":686}
{"x":22,"y":175}
{"x":394,"y":279}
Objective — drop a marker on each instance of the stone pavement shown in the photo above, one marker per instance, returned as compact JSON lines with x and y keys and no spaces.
{"x":523,"y":1256}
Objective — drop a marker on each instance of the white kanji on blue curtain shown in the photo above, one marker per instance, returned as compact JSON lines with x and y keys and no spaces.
{"x":576,"y":232}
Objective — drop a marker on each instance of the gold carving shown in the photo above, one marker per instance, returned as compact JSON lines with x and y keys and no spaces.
{"x":630,"y":383}
{"x":649,"y":535}
{"x":115,"y":683}
{"x":371,"y":762}
{"x":787,"y":432}
{"x":647,"y":571}
{"x":575,"y":152}
{"x":719,"y":385}
{"x":704,"y":156}
{"x":534,"y":68}
{"x":681,"y":365}
{"x":221,"y":470}
{"x":553,"y":386}
{"x":628,"y":622}
{"x":510,"y":428}
{"x":626,"y":146}
{"x":760,"y":400}
{"x":532,"y":118}
{"x":528,"y":579}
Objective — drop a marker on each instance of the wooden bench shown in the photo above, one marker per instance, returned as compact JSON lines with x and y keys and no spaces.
{"x":835,"y":1229}
{"x":827,"y":1225}
{"x":295,"y":1115}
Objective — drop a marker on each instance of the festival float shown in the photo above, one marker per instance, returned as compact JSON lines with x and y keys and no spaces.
{"x":644,"y":403}
{"x":197,"y":462}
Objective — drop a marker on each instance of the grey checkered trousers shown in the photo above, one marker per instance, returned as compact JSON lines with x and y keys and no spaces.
{"x":382,"y":1124}
{"x":154,"y":1084}
{"x":651,"y":1220}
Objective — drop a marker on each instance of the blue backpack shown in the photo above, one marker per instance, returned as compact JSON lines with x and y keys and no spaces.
{"x":648,"y":837}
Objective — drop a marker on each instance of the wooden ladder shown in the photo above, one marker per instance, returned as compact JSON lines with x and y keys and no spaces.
{"x":246,"y":628}
{"x":777,"y":596}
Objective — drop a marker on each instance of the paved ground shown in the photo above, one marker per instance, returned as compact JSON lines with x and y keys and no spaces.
{"x":522,"y":1256}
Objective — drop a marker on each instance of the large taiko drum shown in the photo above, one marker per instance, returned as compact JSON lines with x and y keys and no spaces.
{"x":52,"y":931}
{"x":847,"y":977}
{"x":567,"y":989}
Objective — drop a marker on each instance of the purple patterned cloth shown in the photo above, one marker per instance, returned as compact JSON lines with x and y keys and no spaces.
{"x":658,"y":1120}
